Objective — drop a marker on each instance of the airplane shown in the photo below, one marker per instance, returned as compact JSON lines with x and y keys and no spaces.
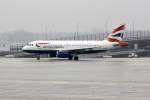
{"x":72,"y":49}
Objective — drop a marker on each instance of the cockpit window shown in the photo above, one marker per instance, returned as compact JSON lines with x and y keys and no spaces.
{"x":37,"y":45}
{"x":30,"y":44}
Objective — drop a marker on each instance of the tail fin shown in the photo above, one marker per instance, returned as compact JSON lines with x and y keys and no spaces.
{"x":117,"y":35}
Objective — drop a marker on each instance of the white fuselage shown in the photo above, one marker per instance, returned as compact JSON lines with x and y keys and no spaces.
{"x":68,"y":45}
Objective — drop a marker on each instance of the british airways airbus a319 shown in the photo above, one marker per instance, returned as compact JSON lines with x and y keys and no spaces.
{"x":71,"y":49}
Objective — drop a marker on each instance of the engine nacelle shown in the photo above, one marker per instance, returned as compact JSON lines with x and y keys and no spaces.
{"x":53,"y":54}
{"x":62,"y":55}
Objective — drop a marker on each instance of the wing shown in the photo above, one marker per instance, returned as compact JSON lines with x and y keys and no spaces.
{"x":81,"y":50}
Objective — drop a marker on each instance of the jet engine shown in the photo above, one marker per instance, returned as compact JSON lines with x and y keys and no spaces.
{"x":61,"y":54}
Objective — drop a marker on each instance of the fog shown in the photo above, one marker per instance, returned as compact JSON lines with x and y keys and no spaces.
{"x":66,"y":15}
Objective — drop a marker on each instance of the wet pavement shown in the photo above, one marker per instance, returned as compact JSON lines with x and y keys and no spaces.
{"x":87,"y":79}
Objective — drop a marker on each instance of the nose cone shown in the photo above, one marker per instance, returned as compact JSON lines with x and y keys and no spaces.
{"x":25,"y":48}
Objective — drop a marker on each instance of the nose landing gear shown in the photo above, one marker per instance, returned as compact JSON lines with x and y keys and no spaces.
{"x":38,"y":57}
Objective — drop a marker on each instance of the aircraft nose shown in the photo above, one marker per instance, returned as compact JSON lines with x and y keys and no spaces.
{"x":24,"y":48}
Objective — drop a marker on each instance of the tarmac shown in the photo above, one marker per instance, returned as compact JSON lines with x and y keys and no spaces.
{"x":86,"y":79}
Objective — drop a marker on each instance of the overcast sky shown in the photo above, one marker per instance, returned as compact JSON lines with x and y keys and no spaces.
{"x":64,"y":15}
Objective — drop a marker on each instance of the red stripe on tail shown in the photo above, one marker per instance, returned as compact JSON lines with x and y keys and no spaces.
{"x":122,"y":27}
{"x":121,"y":43}
{"x":113,"y":40}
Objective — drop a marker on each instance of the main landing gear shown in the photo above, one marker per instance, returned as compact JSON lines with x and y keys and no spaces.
{"x":71,"y":57}
{"x":76,"y":58}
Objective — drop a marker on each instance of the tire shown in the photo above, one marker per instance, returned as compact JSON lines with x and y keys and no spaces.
{"x":38,"y":57}
{"x":76,"y":58}
{"x":70,"y":57}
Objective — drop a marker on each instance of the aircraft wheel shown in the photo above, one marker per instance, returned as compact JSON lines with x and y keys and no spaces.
{"x":70,"y":57}
{"x":76,"y":58}
{"x":38,"y":57}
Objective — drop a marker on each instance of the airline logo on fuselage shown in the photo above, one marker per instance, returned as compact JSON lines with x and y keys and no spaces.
{"x":47,"y":45}
{"x":41,"y":44}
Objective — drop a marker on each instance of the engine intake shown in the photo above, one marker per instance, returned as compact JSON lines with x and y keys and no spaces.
{"x":62,"y":55}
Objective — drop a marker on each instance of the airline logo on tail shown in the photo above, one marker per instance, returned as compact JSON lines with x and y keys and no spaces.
{"x":117,"y":35}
